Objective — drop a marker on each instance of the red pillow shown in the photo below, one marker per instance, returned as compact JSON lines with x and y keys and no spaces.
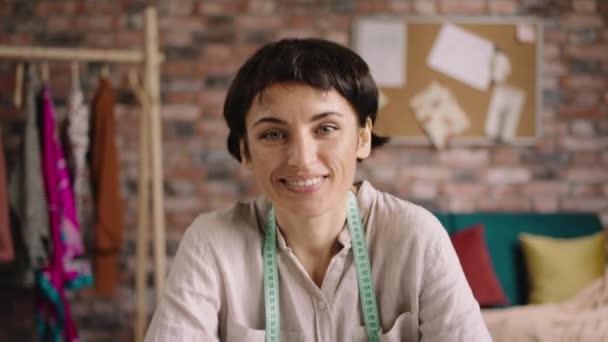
{"x":473,"y":254}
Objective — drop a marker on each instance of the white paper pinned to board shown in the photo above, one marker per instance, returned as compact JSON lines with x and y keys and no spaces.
{"x":463,"y":56}
{"x":381,"y":43}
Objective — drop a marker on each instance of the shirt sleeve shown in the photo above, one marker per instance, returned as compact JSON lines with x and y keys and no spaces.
{"x":448,"y":310}
{"x":189,"y":307}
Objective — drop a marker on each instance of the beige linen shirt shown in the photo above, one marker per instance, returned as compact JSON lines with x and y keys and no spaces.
{"x":215,"y":287}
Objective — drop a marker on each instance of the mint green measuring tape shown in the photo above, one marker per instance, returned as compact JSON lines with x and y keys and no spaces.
{"x":362,"y":264}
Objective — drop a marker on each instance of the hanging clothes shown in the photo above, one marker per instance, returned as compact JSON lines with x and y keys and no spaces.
{"x":7,"y":252}
{"x":106,"y":185}
{"x":78,"y":139}
{"x":64,"y":270}
{"x":27,"y":194}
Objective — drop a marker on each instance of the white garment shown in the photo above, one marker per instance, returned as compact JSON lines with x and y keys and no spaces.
{"x":215,"y":286}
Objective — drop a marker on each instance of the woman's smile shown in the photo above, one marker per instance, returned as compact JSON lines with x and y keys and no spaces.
{"x":304,"y":184}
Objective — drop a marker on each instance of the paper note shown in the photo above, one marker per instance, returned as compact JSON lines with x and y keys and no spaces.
{"x":381,"y":43}
{"x":463,"y":56}
{"x":439,"y":114}
{"x":526,"y":33}
{"x":504,"y":112}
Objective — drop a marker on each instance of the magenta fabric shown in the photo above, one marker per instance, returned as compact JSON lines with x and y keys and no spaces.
{"x":64,"y":269}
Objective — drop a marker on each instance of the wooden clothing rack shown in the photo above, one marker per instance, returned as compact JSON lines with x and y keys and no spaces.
{"x":148,"y":60}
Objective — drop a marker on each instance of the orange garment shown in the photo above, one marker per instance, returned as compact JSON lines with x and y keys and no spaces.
{"x":108,"y":231}
{"x":7,"y":253}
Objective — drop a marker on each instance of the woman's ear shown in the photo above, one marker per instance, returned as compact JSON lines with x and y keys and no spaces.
{"x":245,"y":159}
{"x":364,"y":147}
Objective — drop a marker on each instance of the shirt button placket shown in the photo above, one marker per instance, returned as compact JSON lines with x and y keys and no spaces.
{"x":324,"y":321}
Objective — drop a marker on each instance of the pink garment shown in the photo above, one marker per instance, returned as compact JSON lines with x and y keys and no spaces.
{"x":63,"y":270}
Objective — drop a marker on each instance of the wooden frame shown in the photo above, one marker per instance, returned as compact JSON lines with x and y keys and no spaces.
{"x":148,"y":59}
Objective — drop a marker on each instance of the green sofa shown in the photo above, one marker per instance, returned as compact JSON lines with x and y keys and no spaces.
{"x":501,"y":236}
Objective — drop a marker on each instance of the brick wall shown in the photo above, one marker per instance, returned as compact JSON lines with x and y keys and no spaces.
{"x":206,"y":41}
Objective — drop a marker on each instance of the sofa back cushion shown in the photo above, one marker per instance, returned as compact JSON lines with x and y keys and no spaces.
{"x":502,"y":237}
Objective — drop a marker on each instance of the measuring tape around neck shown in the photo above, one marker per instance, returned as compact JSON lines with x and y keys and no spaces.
{"x":362,"y":264}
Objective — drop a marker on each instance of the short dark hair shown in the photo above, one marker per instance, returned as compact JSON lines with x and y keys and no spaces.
{"x":318,"y":63}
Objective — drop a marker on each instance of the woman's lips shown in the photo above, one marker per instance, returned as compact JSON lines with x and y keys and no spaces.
{"x":302,"y":184}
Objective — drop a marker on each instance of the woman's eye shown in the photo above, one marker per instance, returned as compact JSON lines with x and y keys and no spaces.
{"x":273,"y":136}
{"x":326,"y":129}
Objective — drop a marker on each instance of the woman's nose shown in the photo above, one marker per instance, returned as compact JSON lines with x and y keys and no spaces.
{"x":301,"y":151}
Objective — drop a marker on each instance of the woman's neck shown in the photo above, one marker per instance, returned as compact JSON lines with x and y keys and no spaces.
{"x":314,"y":240}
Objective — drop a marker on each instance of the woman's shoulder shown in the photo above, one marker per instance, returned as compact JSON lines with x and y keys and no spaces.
{"x":227,"y":225}
{"x":400,"y":218}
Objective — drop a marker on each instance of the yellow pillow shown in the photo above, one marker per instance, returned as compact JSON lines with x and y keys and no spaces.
{"x":559,"y":268}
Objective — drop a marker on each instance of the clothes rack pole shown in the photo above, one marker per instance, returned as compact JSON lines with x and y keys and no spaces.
{"x":148,"y":59}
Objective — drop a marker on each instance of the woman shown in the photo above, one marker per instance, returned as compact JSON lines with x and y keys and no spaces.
{"x":295,"y":264}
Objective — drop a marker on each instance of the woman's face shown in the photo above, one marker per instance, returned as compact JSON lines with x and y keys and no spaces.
{"x":303,"y":146}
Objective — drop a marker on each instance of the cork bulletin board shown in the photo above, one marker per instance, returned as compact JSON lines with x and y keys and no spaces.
{"x":396,"y":118}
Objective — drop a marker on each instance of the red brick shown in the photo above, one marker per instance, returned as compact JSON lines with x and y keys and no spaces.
{"x":515,"y":204}
{"x":176,"y":38}
{"x":574,"y":111}
{"x":587,"y":82}
{"x":399,"y":6}
{"x":502,"y":6}
{"x":586,"y":190}
{"x":422,"y":189}
{"x":508,"y":175}
{"x":464,"y":158}
{"x":551,"y":51}
{"x":584,"y":204}
{"x":593,"y":52}
{"x":258,"y":23}
{"x":555,"y":68}
{"x":460,"y":205}
{"x":183,"y":203}
{"x":550,"y":82}
{"x":505,"y":156}
{"x":545,"y":205}
{"x":56,"y":23}
{"x":545,"y":189}
{"x":425,"y":7}
{"x":129,"y":39}
{"x":183,"y":67}
{"x":578,"y":144}
{"x":423,"y":173}
{"x":181,"y":23}
{"x":180,"y":8}
{"x":462,"y":7}
{"x":262,"y":7}
{"x":586,"y":98}
{"x":180,"y":112}
{"x":556,"y":36}
{"x":213,"y":128}
{"x":180,"y":98}
{"x":585,"y":175}
{"x":584,"y":6}
{"x":581,"y":21}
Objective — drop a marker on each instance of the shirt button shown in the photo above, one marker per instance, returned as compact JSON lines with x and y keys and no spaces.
{"x":322,"y":305}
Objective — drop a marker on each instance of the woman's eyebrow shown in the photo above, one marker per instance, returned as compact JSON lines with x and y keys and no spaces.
{"x":324,"y":115}
{"x":270,"y":119}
